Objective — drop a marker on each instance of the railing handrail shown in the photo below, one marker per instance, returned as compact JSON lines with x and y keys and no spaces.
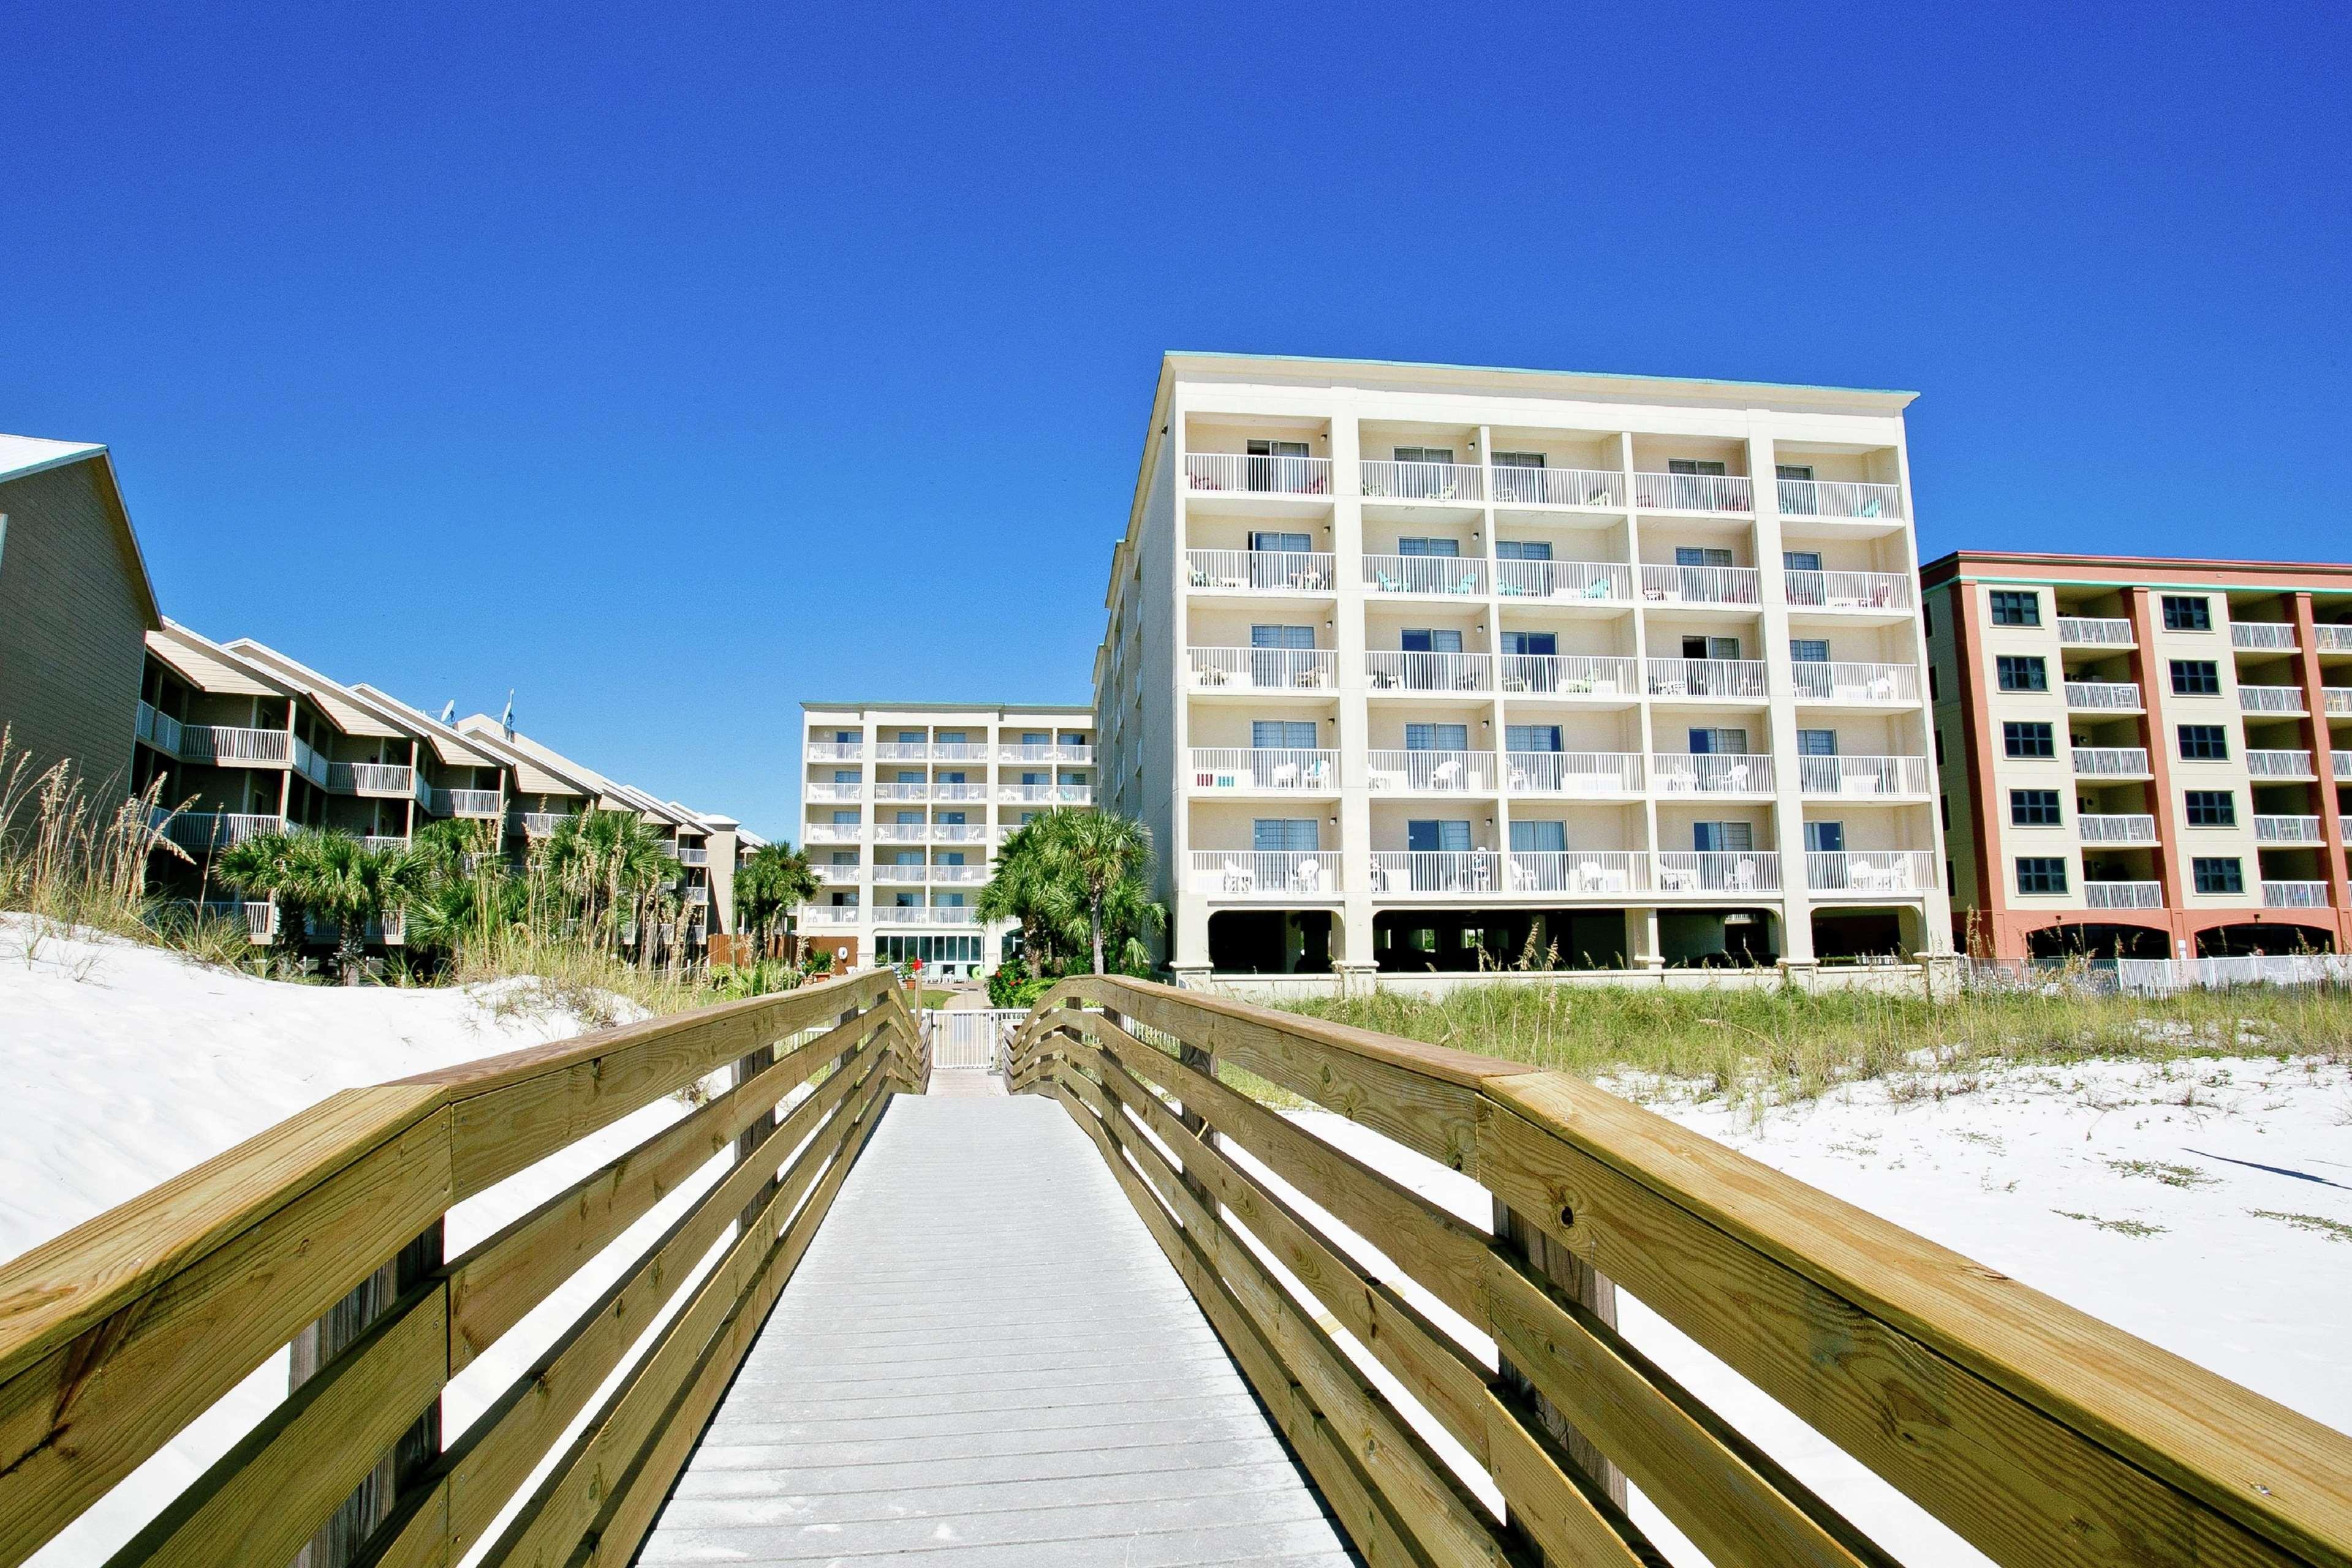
{"x":2096,"y":630}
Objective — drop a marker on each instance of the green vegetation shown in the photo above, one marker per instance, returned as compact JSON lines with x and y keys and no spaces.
{"x":2139,"y":1230}
{"x":776,"y":879}
{"x":2333,"y":1229}
{"x":69,"y":861}
{"x":1079,"y":881}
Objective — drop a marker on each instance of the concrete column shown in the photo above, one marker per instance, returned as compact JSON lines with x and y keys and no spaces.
{"x":1788,"y":804}
{"x":2150,"y":672}
{"x":2321,"y":738}
{"x":1641,"y":947}
{"x":1354,"y":947}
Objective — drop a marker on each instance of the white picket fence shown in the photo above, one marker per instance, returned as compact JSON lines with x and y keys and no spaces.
{"x":2156,"y":976}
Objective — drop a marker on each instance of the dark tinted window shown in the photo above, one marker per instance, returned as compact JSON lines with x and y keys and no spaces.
{"x":2212,"y":809}
{"x":2204,"y":743}
{"x":2183,"y":613}
{"x":2041,"y":873}
{"x":2219,"y":873}
{"x":2034,"y":808}
{"x":2019,"y":740}
{"x":2012,"y":607}
{"x":2195,"y":677}
{"x":2022,"y":672}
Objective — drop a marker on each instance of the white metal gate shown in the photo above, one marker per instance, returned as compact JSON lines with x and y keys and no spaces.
{"x":968,"y":1037}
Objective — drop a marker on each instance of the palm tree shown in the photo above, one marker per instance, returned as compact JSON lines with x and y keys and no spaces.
{"x":330,"y":871}
{"x":609,"y":864}
{"x":776,"y":878}
{"x":262,"y":865}
{"x":1019,"y":889}
{"x":1079,"y":878}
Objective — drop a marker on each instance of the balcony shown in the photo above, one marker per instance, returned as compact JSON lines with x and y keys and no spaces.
{"x":2271,"y":699}
{"x":542,"y":824}
{"x":2112,"y":761}
{"x":2332,"y":638}
{"x":945,"y":875}
{"x":959,"y":751}
{"x":2109,"y":697}
{"x":1559,"y":487}
{"x":2262,"y":635}
{"x":2087,"y":632}
{"x":2280,"y":764}
{"x":826,"y":916}
{"x":694,"y":854}
{"x":202,"y":831}
{"x":1265,"y":873}
{"x":1061,"y":753}
{"x":2294,"y":895}
{"x":308,"y":763}
{"x":379,"y":780}
{"x":1430,"y":772}
{"x":965,"y":792}
{"x":839,"y":875}
{"x":1864,"y":777}
{"x":1046,"y":794}
{"x":2341,"y":761}
{"x":1260,"y":571}
{"x":1869,"y":871}
{"x":2272,"y":829}
{"x":468,"y":804}
{"x":925,"y":914}
{"x":1446,"y":574}
{"x":224,"y":746}
{"x":1718,"y":871}
{"x":830,"y":791}
{"x":846,"y":832}
{"x":959,"y":833}
{"x":1388,"y":671}
{"x":1580,"y":872}
{"x":2115,"y":826}
{"x":834,"y":751}
{"x":1840,"y":683}
{"x":387,"y":841}
{"x":2337,"y":699}
{"x":1869,"y":591}
{"x":1737,"y":680}
{"x":1262,"y":669}
{"x":1711,"y":773}
{"x":904,"y":873}
{"x":1583,"y":775}
{"x":1568,"y":676}
{"x":1585,"y":581}
{"x":1839,"y":498}
{"x":699,"y":894}
{"x":1737,"y":585}
{"x":903,"y":751}
{"x":1693,"y":492}
{"x":1213,"y":472}
{"x":2123,"y":894}
{"x":1439,"y":482}
{"x":1437,"y":871}
{"x":157,"y":728}
{"x":1265,"y":770}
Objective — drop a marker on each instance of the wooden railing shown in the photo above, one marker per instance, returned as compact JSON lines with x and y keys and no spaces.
{"x":2041,"y":1435}
{"x":325,"y":1233}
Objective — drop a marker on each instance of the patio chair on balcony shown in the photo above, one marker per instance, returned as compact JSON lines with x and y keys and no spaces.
{"x":1469,"y":584}
{"x":1386,"y":583}
{"x":1379,"y":779}
{"x":1597,"y":588}
{"x":1734,"y":777}
{"x":1677,"y":879}
{"x":1239,"y":877}
{"x":1319,"y":774}
{"x":1743,"y":875}
{"x":1283,"y":776}
{"x":1306,"y":876}
{"x":1446,"y":775}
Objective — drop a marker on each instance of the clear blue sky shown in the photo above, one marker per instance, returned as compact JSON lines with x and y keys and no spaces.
{"x":672,"y":368}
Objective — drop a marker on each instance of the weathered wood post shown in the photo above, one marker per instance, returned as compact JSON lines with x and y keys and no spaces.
{"x":1579,"y":1282}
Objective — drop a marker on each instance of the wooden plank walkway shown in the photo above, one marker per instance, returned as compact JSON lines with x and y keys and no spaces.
{"x":985,"y":1361}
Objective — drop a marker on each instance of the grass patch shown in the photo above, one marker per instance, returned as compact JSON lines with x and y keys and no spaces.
{"x":2133,"y":1228}
{"x":935,"y":1000}
{"x":2157,"y":1170}
{"x":2333,"y":1229}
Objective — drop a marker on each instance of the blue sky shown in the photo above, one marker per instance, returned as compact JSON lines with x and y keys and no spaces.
{"x":672,"y":366}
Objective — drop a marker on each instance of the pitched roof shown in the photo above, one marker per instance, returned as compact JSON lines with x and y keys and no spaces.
{"x":209,"y":668}
{"x":21,"y":456}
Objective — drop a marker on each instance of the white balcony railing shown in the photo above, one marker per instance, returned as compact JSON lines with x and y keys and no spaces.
{"x":1734,"y":678}
{"x":959,"y":792}
{"x":957,"y":875}
{"x":468,"y":804}
{"x":1853,"y":778}
{"x":1842,"y":683}
{"x":2337,"y":699}
{"x":848,"y":833}
{"x":1065,"y":751}
{"x":226,"y":745}
{"x":835,"y":751}
{"x":903,"y":750}
{"x":1265,"y":769}
{"x":1574,"y":773}
{"x":1265,"y":873}
{"x":2114,"y":761}
{"x":1701,"y":584}
{"x":217,"y":830}
{"x":1711,"y":773}
{"x":1437,"y":871}
{"x":2333,"y":639}
{"x":2092,"y":632}
{"x":308,"y":763}
{"x":1849,"y":589}
{"x":1692,"y":493}
{"x":1559,"y":487}
{"x":2293,"y":894}
{"x":1387,"y":670}
{"x":2265,"y":635}
{"x":901,"y":871}
{"x":2115,"y":826}
{"x":959,"y":751}
{"x":826,"y":916}
{"x":389,"y":841}
{"x":926,"y":914}
{"x":376,"y":778}
{"x":1430,"y":772}
{"x":694,"y":854}
{"x":1047,"y":794}
{"x":832,"y":792}
{"x":1718,"y":871}
{"x":1212,"y":471}
{"x":2269,"y":699}
{"x":2279,"y":764}
{"x":1263,"y":669}
{"x":2123,"y":894}
{"x":1839,"y":498}
{"x":1595,"y":581}
{"x":260,"y":921}
{"x":1384,"y":480}
{"x":1568,"y":675}
{"x":2342,"y":763}
{"x":1260,"y":571}
{"x":2110,"y":695}
{"x":2273,"y":829}
{"x":1869,"y":871}
{"x":891,"y":790}
{"x":539,"y":825}
{"x":157,"y":728}
{"x":1449,"y":574}
{"x":1586,"y":872}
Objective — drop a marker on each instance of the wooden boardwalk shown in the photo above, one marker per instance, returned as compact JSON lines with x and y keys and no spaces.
{"x":985,"y":1362}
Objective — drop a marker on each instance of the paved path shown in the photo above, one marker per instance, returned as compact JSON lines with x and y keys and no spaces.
{"x":985,"y":1362}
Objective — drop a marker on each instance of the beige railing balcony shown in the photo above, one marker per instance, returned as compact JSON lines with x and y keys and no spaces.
{"x":1065,"y":752}
{"x":1693,"y":492}
{"x":1718,"y":871}
{"x":838,"y":875}
{"x":1260,"y":571}
{"x":903,"y":750}
{"x":1430,"y":772}
{"x":892,"y":790}
{"x":1389,"y":670}
{"x":2269,"y":699}
{"x":1220,"y":769}
{"x":540,"y":824}
{"x":468,"y":804}
{"x":1845,"y":682}
{"x":1592,"y":873}
{"x":959,"y":875}
{"x":903,"y":871}
{"x":1733,"y":678}
{"x":1711,"y":773}
{"x":2112,"y":761}
{"x":217,"y":830}
{"x":1740,"y":585}
{"x":228,"y":745}
{"x":157,"y":728}
{"x":959,"y":833}
{"x":827,"y":917}
{"x":1593,"y":582}
{"x":694,"y":854}
{"x":1264,"y":874}
{"x":2115,"y":826}
{"x":1559,"y":487}
{"x":697,"y":894}
{"x":2262,"y":635}
{"x":1568,"y":675}
{"x":1448,"y":574}
{"x":1263,"y":669}
{"x":1574,"y":773}
{"x":2123,"y":894}
{"x":2333,"y":639}
{"x":959,"y":751}
{"x":1869,"y":871}
{"x":2109,"y":695}
{"x":1437,"y":871}
{"x":959,"y":792}
{"x":2293,"y":894}
{"x":831,"y":791}
{"x":1860,"y":776}
{"x":1849,"y":589}
{"x":2276,"y":830}
{"x":2281,"y":764}
{"x":2091,"y":632}
{"x":1047,"y":794}
{"x":834,"y":751}
{"x":1214,"y":471}
{"x":1384,"y":480}
{"x":849,"y":832}
{"x":389,"y":841}
{"x":1839,"y":498}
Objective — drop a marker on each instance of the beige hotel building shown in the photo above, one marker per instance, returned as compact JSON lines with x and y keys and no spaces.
{"x":1411,"y":667}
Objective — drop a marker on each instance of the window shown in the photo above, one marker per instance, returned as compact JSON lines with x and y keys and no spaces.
{"x":1692,"y":465}
{"x":1825,"y":837}
{"x":2034,"y":809}
{"x":1927,"y":617}
{"x":1935,"y":684}
{"x":1424,"y":455}
{"x":1939,"y":749}
{"x":911,"y":737}
{"x":2186,"y":612}
{"x":2027,"y":740}
{"x":1282,"y":637}
{"x":1541,"y":642}
{"x":1710,"y":647}
{"x":1794,"y":471}
{"x":1277,"y":449}
{"x":2021,"y":673}
{"x":950,"y":737}
{"x":2204,"y":743}
{"x":1278,"y":835}
{"x":1522,"y":549}
{"x":1287,"y":544}
{"x":1518,"y":459}
{"x":1730,"y":742}
{"x":1531,"y":738}
{"x":951,"y":819}
{"x":1685,"y":555}
{"x":1809,"y":649}
{"x":2041,"y":873}
{"x":2016,"y":607}
{"x":845,"y":737}
{"x":906,"y":818}
{"x":907,"y":857}
{"x":1539,"y":838}
{"x":1427,"y":836}
{"x":845,"y":775}
{"x":845,"y":819}
{"x":1032,"y":738}
{"x":1944,"y":803}
{"x":2212,"y":809}
{"x":1817,"y":743}
{"x":1282,"y":735}
{"x":1447,"y":548}
{"x":1734,"y":837}
{"x":2218,"y":873}
{"x":1416,"y":640}
{"x":2196,"y":678}
{"x":1437,"y":737}
{"x":1801,"y":561}
{"x":845,"y":857}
